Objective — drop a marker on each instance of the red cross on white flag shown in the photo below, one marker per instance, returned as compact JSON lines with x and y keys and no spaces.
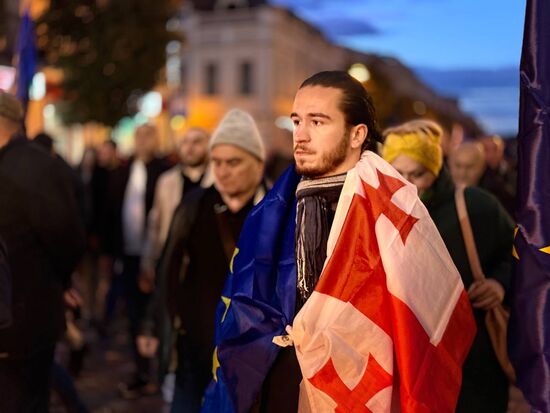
{"x":389,"y":324}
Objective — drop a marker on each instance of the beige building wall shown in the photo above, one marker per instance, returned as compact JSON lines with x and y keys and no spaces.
{"x":282,"y":49}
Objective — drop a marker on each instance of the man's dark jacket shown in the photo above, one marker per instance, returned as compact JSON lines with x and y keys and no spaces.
{"x":5,"y":287}
{"x":114,"y":244}
{"x":44,"y":238}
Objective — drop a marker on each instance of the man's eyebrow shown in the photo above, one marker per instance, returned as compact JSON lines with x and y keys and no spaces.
{"x":319,"y":115}
{"x":226,"y":160}
{"x":312,"y":115}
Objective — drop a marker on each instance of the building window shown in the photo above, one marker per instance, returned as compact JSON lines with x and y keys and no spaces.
{"x":211,"y":80}
{"x":245,"y":82}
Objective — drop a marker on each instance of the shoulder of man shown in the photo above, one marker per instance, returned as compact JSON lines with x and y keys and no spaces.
{"x":172,"y":175}
{"x":481,"y":202}
{"x":187,"y":210}
{"x":21,"y":159}
{"x":158,"y":165}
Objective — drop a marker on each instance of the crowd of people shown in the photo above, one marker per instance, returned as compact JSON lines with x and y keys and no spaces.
{"x":157,"y":237}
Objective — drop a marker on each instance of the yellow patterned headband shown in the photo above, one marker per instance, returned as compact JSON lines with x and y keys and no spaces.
{"x":420,"y":145}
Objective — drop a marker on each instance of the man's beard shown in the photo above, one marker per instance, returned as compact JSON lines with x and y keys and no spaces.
{"x":194,"y":163}
{"x":329,"y":161}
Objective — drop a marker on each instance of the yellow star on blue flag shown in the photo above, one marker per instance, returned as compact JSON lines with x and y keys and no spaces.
{"x":514,"y":251}
{"x":215,"y":364}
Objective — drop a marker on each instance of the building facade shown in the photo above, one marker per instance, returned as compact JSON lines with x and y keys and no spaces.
{"x":252,"y":57}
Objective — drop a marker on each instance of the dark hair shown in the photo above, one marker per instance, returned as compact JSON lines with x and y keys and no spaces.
{"x":356,"y":103}
{"x":44,"y":140}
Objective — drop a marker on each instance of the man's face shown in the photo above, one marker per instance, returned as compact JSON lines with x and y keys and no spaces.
{"x":235,"y":170}
{"x":494,"y":151}
{"x":145,"y":140}
{"x":467,"y":164}
{"x":193,"y":148}
{"x":321,"y":136}
{"x":106,"y":154}
{"x":414,"y":172}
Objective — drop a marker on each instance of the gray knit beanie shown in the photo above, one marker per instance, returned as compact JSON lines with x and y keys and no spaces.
{"x":239,"y":129}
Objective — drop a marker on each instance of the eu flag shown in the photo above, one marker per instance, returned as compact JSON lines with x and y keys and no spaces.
{"x":529,"y":335}
{"x":258,"y":301}
{"x":26,"y":57}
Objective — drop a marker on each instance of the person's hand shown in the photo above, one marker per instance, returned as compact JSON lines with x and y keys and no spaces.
{"x":147,"y":345}
{"x":146,"y":281}
{"x":72,"y":298}
{"x":486,"y":294}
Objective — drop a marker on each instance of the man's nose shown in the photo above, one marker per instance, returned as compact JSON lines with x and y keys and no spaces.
{"x":223,"y":170}
{"x":301,"y":134}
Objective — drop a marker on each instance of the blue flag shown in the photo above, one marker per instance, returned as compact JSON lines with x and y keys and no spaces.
{"x":26,"y":58}
{"x":529,"y":334}
{"x":258,"y":301}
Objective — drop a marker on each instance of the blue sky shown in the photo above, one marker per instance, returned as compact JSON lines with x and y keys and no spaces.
{"x":446,"y":34}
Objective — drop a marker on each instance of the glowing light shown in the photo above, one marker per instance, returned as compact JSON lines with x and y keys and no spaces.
{"x":173,"y":47}
{"x":7,"y":77}
{"x":38,"y":86}
{"x":150,"y":104}
{"x":284,"y":122}
{"x":178,"y":122}
{"x":49,"y":111}
{"x":419,"y":108}
{"x":360,"y":72}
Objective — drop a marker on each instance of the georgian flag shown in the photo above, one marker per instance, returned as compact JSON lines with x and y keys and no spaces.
{"x":389,"y":324}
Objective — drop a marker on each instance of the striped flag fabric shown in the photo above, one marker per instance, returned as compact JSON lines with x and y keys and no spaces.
{"x":389,"y":324}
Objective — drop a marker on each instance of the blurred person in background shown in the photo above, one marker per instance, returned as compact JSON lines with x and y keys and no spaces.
{"x":44,"y":237}
{"x":131,"y":191}
{"x":190,"y":173}
{"x":499,"y":177}
{"x":467,"y":164}
{"x":108,"y":162}
{"x":451,"y":141}
{"x":172,"y":186}
{"x":414,"y":150}
{"x":198,"y":251}
{"x":281,"y":157}
{"x":62,"y":382}
{"x":88,"y":271}
{"x":45,"y":142}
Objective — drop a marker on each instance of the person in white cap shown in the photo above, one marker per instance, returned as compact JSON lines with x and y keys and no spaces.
{"x":204,"y":231}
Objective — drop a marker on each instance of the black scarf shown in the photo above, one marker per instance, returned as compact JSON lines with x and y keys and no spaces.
{"x":317,"y":199}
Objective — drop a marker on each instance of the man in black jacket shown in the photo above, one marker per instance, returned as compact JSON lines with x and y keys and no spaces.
{"x":5,"y":287}
{"x":131,"y":194}
{"x":44,"y":238}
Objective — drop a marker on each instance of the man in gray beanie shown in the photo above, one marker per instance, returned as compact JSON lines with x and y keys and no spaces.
{"x":204,"y":231}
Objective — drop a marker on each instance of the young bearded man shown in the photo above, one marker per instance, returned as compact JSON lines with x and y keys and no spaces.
{"x":341,"y":295}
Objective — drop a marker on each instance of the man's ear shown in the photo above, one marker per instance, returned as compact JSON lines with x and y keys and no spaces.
{"x":358,"y":135}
